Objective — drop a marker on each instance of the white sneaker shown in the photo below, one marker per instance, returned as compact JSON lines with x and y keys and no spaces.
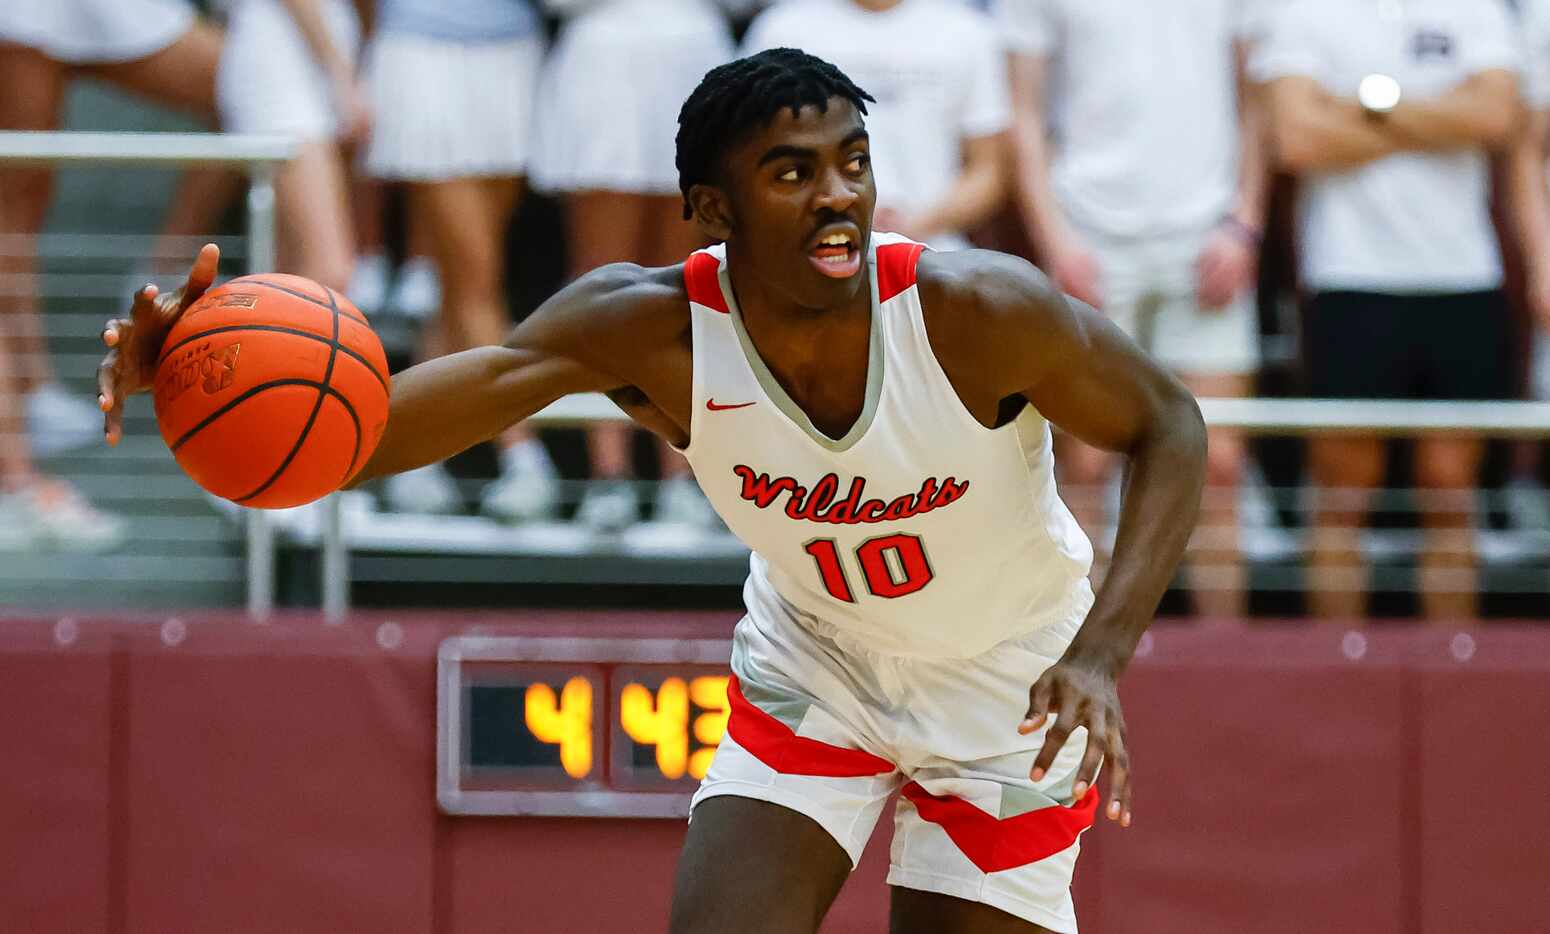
{"x":681,"y":502}
{"x":609,"y":506}
{"x":522,"y":493}
{"x":59,"y":421}
{"x":417,"y":293}
{"x":428,"y":490}
{"x":54,"y":514}
{"x":369,"y":282}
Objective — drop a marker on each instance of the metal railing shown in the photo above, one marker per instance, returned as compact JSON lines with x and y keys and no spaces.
{"x":259,"y":158}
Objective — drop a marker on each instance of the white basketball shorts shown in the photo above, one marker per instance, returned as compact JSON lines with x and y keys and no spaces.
{"x":828,"y":729}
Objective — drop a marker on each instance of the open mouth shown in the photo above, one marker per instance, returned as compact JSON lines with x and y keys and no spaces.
{"x":836,"y":255}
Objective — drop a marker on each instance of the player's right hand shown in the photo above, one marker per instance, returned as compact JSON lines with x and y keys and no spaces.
{"x":135,"y":342}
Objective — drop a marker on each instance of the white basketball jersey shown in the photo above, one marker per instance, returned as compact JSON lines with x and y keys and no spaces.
{"x":921,"y":532}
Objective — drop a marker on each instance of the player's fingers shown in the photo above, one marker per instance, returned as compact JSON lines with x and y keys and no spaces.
{"x":1097,"y":739}
{"x":107,"y":376}
{"x":200,"y":275}
{"x":1119,"y":777}
{"x":1054,"y":741}
{"x":144,"y":303}
{"x":1039,"y":698}
{"x":111,"y":332}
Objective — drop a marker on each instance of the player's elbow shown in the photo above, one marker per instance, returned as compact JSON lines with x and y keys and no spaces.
{"x":1178,"y":426}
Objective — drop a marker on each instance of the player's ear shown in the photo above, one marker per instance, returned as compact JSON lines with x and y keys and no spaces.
{"x":712,"y":211}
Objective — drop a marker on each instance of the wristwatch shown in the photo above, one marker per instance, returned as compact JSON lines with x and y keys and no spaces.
{"x":1378,"y":95}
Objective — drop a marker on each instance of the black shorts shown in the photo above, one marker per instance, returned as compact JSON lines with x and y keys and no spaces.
{"x":1372,"y":345}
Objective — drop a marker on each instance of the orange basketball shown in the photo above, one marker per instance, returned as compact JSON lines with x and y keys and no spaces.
{"x":271,"y":391}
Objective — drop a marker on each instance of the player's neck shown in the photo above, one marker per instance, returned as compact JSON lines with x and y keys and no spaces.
{"x":761,"y":303}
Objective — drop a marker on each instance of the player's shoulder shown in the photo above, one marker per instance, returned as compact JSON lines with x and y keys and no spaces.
{"x":980,"y":288}
{"x":990,"y":316}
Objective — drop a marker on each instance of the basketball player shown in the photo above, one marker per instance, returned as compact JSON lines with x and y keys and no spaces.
{"x":870,"y":417}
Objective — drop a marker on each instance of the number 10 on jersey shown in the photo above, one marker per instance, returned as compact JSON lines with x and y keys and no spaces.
{"x":891,"y":566}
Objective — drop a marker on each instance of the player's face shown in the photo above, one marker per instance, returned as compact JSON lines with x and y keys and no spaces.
{"x":802,"y":194}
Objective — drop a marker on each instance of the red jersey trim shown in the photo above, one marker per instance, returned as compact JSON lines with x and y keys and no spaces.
{"x":996,"y":845}
{"x":778,"y":747}
{"x":703,"y":282}
{"x":896,"y":268}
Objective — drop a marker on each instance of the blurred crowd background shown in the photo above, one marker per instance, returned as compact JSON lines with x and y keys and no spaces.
{"x":1205,"y":172}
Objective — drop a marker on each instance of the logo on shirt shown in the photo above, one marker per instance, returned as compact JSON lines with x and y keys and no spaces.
{"x":820,"y":504}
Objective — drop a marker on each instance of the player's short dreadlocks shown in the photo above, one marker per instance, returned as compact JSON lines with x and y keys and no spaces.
{"x":743,"y":95}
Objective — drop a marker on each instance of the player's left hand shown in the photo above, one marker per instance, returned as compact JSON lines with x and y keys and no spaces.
{"x":1078,"y":694}
{"x":1225,"y":268}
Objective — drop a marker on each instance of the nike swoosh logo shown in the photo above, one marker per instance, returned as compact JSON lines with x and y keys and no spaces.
{"x":717,"y":407}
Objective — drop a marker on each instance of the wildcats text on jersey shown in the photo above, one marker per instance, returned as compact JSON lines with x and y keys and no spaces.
{"x":819,"y":505}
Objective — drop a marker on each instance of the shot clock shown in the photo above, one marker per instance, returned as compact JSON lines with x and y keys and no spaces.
{"x":575,"y":726}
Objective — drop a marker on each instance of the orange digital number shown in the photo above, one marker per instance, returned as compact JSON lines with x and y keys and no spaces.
{"x":661,"y":721}
{"x":709,"y":693}
{"x":565,"y":721}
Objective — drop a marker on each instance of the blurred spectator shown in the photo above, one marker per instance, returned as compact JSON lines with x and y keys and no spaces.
{"x":1527,"y":168}
{"x":1387,"y":111}
{"x":608,"y":115}
{"x":463,"y":154}
{"x":938,"y":127}
{"x":153,"y":47}
{"x":1149,"y":206}
{"x":288,"y":69}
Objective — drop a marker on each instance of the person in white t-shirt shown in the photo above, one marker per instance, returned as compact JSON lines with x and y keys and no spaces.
{"x":1527,"y":163}
{"x":1143,"y":187}
{"x":1388,"y":111}
{"x":939,"y":126}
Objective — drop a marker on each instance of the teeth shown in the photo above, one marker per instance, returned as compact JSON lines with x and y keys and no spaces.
{"x":838,"y":239}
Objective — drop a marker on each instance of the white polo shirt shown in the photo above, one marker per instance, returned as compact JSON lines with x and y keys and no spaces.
{"x":1535,"y":15}
{"x":938,"y":73}
{"x":1144,"y":105}
{"x":1412,"y":222}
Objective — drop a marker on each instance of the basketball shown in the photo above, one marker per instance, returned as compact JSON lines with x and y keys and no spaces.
{"x":271,"y":391}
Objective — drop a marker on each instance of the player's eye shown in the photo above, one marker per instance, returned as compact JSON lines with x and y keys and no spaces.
{"x":858,"y":163}
{"x":792,"y":174}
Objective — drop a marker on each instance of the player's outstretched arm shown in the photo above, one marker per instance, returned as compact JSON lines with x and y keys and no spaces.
{"x":440,"y":407}
{"x":1017,"y":336}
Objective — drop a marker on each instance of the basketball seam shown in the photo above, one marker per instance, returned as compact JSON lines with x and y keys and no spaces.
{"x":250,"y":393}
{"x":308,"y":298}
{"x":276,"y":329}
{"x":328,"y":373}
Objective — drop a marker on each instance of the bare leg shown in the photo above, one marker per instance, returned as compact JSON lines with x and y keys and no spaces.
{"x":182,"y":75}
{"x":1345,"y":470}
{"x":755,"y":868}
{"x":315,"y":236}
{"x":37,"y":86}
{"x":464,"y":222}
{"x":1446,"y":472}
{"x":1220,"y":583}
{"x":203,"y":195}
{"x":911,"y":911}
{"x":606,"y":227}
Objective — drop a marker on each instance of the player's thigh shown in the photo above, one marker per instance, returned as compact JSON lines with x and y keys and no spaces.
{"x":182,"y":75}
{"x":752,"y":866}
{"x":912,"y":911}
{"x":313,"y":195}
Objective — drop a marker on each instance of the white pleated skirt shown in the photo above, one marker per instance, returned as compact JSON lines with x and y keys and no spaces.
{"x":611,"y":92}
{"x":446,"y":109}
{"x":95,"y":32}
{"x":268,"y":82}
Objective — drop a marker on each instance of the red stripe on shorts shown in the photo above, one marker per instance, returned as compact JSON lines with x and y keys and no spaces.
{"x":780,"y":748}
{"x":996,"y":845}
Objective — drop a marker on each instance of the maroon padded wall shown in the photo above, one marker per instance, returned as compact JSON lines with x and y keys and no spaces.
{"x":217,"y":775}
